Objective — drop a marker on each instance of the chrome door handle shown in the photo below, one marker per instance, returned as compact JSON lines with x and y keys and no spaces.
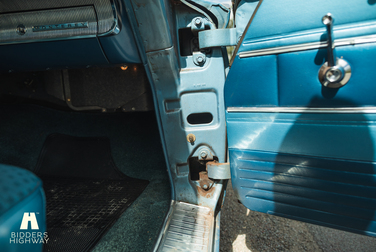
{"x":336,"y":72}
{"x":328,"y":21}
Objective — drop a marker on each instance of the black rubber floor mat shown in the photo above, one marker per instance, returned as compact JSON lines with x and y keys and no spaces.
{"x":85,"y":191}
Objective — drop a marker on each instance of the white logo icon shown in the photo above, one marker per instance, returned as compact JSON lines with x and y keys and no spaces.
{"x":29,"y":217}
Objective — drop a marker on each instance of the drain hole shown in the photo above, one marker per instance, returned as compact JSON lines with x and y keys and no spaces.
{"x":200,"y":118}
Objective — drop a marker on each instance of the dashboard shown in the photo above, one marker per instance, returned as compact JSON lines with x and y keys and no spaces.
{"x":42,"y":35}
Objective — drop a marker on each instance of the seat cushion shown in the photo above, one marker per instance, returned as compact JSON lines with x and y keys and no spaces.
{"x":22,"y":210}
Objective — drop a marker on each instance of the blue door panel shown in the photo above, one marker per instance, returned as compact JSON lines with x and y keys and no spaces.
{"x":280,"y":20}
{"x":340,"y":31}
{"x":250,"y":86}
{"x":291,"y":79}
{"x":309,"y":190}
{"x":340,"y":136}
{"x":299,"y":84}
{"x":326,"y":175}
{"x":310,"y":166}
{"x":354,"y":225}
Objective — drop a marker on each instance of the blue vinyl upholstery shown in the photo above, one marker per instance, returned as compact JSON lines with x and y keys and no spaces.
{"x":287,"y":22}
{"x":313,"y":167}
{"x":21,"y":192}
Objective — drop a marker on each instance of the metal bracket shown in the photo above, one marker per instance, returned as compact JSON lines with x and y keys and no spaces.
{"x":217,"y":38}
{"x":218,"y":170}
{"x":204,"y":153}
{"x":216,"y":13}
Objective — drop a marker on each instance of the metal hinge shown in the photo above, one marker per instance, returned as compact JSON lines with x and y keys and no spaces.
{"x":217,"y":38}
{"x":218,"y":170}
{"x":209,"y":36}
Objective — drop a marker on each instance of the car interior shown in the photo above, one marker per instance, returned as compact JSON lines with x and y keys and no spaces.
{"x":77,"y":112}
{"x":122,"y":121}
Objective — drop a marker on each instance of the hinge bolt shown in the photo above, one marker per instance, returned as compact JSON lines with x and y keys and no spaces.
{"x":204,"y":154}
{"x":198,"y":21}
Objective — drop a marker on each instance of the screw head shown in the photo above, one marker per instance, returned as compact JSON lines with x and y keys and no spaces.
{"x":21,"y":29}
{"x":334,"y":74}
{"x":200,"y":59}
{"x":205,"y":186}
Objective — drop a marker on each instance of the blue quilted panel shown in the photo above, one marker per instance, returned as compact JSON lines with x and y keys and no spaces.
{"x":331,"y":192}
{"x":318,"y":168}
{"x":21,"y":193}
{"x":15,"y":185}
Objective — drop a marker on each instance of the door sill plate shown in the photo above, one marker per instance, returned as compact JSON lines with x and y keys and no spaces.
{"x":190,"y":228}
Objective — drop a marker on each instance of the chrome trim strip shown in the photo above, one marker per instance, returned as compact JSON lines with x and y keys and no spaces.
{"x":308,"y":46}
{"x":41,"y":28}
{"x":353,"y":110}
{"x":48,"y":40}
{"x":244,"y":32}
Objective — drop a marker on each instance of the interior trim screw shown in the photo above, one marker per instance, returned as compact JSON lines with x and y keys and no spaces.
{"x":21,"y":29}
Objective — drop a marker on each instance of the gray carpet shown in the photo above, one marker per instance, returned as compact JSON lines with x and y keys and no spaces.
{"x":136,"y":150}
